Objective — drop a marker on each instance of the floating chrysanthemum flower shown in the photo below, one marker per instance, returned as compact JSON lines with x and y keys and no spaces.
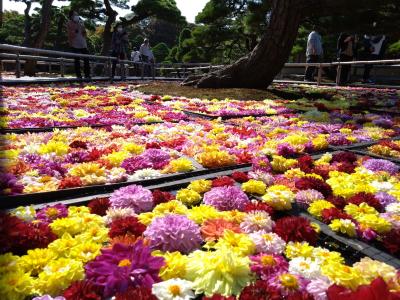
{"x":372,"y":269}
{"x":173,"y":289}
{"x":36,"y":260}
{"x":318,"y":206}
{"x":305,"y":267}
{"x":128,"y":225}
{"x":175,"y":265}
{"x":221,"y":272}
{"x":16,"y":285}
{"x":287,"y":283}
{"x":83,"y":290}
{"x":200,"y":186}
{"x":226,"y":198}
{"x":188,"y":197}
{"x":317,"y":288}
{"x":279,"y":197}
{"x":133,"y":196}
{"x":343,"y":275}
{"x":269,"y":243}
{"x":50,"y":213}
{"x":346,"y":227}
{"x":381,"y":165}
{"x":174,"y":233}
{"x":122,"y":267}
{"x":237,"y":242}
{"x":202,"y":213}
{"x":257,"y":221}
{"x":305,"y":197}
{"x":295,"y":229}
{"x":264,"y":265}
{"x":254,"y":187}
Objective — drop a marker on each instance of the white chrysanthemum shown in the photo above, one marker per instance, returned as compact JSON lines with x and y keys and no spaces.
{"x":305,"y":267}
{"x":113,"y":214}
{"x":393,"y":208}
{"x":269,"y":243}
{"x":173,"y":289}
{"x":116,"y":175}
{"x":318,"y":288}
{"x":145,"y":174}
{"x":382,"y":186}
{"x":257,"y":221}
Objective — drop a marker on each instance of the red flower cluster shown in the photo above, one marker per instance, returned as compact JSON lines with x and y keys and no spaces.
{"x":338,"y":201}
{"x":295,"y":229}
{"x":70,"y":182}
{"x":153,"y":145}
{"x":99,"y":206}
{"x":367,"y":198}
{"x":389,"y":144}
{"x":259,"y":206}
{"x":329,"y":214}
{"x":137,"y":293}
{"x":78,"y":144}
{"x":83,"y":290}
{"x":306,"y":163}
{"x":129,"y":225}
{"x":306,"y":183}
{"x":240,"y":177}
{"x":18,"y":237}
{"x":391,"y":241}
{"x":259,"y":290}
{"x":161,"y":197}
{"x":223,"y":181}
{"x":349,"y":157}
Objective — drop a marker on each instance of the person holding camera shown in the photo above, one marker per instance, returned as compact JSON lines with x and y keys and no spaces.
{"x":77,"y":41}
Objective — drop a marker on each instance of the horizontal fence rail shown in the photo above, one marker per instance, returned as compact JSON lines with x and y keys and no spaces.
{"x":180,"y":70}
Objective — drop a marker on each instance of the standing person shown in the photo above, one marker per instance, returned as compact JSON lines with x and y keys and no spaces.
{"x":119,"y":45}
{"x":146,"y":55}
{"x":374,"y":47}
{"x":77,"y":42}
{"x":345,"y":49}
{"x":314,"y":53}
{"x":135,"y":57}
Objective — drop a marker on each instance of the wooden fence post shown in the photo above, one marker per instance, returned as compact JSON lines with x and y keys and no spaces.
{"x":18,"y":66}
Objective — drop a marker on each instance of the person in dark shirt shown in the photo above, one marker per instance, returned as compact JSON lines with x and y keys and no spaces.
{"x":346,"y":51}
{"x":119,"y":45}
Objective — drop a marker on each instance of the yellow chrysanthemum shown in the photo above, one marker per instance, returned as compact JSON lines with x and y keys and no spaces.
{"x":175,"y":265}
{"x":280,"y":197}
{"x":281,"y":164}
{"x":85,"y":169}
{"x":346,"y":227}
{"x":26,"y":213}
{"x":374,"y":222}
{"x":58,"y":275}
{"x":8,"y":263}
{"x":201,"y":213}
{"x":221,"y":272}
{"x":348,"y":185}
{"x":147,"y":218}
{"x":296,"y":249}
{"x":85,"y":252}
{"x":116,"y":158}
{"x":133,"y":148}
{"x":171,"y":207}
{"x":16,"y":285}
{"x":95,"y":234}
{"x":188,"y":197}
{"x":181,"y":164}
{"x":320,"y":142}
{"x":200,"y":186}
{"x":372,"y":269}
{"x":36,"y":260}
{"x":215,"y":159}
{"x":357,"y":210}
{"x":323,"y":256}
{"x":344,"y":275}
{"x":254,"y":187}
{"x":56,"y":147}
{"x":324,"y":160}
{"x":75,"y":211}
{"x":240,"y":243}
{"x":233,"y":216}
{"x":318,"y":206}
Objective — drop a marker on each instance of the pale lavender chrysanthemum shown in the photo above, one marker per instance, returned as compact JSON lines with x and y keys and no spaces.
{"x":174,"y":233}
{"x":377,"y":165}
{"x":226,"y":198}
{"x":267,"y":178}
{"x":385,"y":198}
{"x":318,"y":288}
{"x":305,"y":197}
{"x":133,"y":196}
{"x":257,"y":221}
{"x":269,"y":243}
{"x":48,"y":297}
{"x":158,"y":158}
{"x":394,"y":219}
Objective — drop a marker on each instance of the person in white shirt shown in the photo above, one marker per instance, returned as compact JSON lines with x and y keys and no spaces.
{"x":147,"y":56}
{"x":135,"y":57}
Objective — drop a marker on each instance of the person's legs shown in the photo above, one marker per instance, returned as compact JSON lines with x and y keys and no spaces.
{"x":77,"y":63}
{"x":122,"y":65}
{"x":310,"y":70}
{"x":114,"y":64}
{"x":86,"y":65}
{"x":368,"y":68}
{"x":345,"y":69}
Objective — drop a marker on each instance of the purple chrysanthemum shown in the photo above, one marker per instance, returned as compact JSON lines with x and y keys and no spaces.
{"x":261,"y":164}
{"x":305,"y":197}
{"x":77,"y":157}
{"x":377,"y":165}
{"x":9,"y":184}
{"x":158,"y":158}
{"x":132,"y":164}
{"x":265,"y":265}
{"x":124,"y":266}
{"x":385,"y":198}
{"x":226,"y":198}
{"x":174,"y":233}
{"x":53,"y":169}
{"x":49,"y":213}
{"x":133,"y":196}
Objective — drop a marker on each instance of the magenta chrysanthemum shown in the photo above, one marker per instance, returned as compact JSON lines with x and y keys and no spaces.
{"x":49,"y":213}
{"x":133,"y":196}
{"x":287,"y":283}
{"x":174,"y":233}
{"x":226,"y":198}
{"x":265,"y":265}
{"x":124,"y":266}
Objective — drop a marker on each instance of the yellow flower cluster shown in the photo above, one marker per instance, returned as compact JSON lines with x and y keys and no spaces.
{"x":254,"y":187}
{"x":175,"y":265}
{"x":215,"y":159}
{"x":281,"y":164}
{"x":200,"y":186}
{"x":343,"y":275}
{"x":346,"y":227}
{"x":316,"y":207}
{"x":347,"y":185}
{"x":239,"y":243}
{"x":56,"y":147}
{"x":279,"y":197}
{"x":188,"y":197}
{"x":116,"y":158}
{"x":181,"y":164}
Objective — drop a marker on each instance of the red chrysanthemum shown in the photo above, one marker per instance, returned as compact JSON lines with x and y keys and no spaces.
{"x":259,"y":206}
{"x":223,"y":181}
{"x":376,"y":290}
{"x":218,"y":297}
{"x":137,"y":293}
{"x":391,"y":241}
{"x":338,"y":201}
{"x":329,"y":214}
{"x":83,"y":290}
{"x":368,"y":198}
{"x":99,"y":206}
{"x":322,"y":170}
{"x":344,"y":157}
{"x":295,"y":229}
{"x":161,"y":197}
{"x":128,"y":225}
{"x":78,"y":144}
{"x":240,"y":177}
{"x":390,"y":144}
{"x":153,"y":145}
{"x":70,"y":182}
{"x":306,"y":183}
{"x":259,"y":290}
{"x":306,"y":163}
{"x":346,"y":167}
{"x":95,"y":154}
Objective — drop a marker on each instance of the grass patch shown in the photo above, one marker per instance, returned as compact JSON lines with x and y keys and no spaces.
{"x":175,"y":89}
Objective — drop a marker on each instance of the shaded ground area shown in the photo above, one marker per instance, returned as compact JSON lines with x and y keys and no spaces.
{"x":175,"y":89}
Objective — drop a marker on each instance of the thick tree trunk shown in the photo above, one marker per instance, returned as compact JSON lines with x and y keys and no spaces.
{"x":60,"y":28}
{"x":107,"y":34}
{"x":30,"y":66}
{"x":27,"y":25}
{"x":258,"y":69}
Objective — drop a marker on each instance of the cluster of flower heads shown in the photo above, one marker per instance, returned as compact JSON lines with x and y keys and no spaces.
{"x":215,"y":239}
{"x":386,"y":148}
